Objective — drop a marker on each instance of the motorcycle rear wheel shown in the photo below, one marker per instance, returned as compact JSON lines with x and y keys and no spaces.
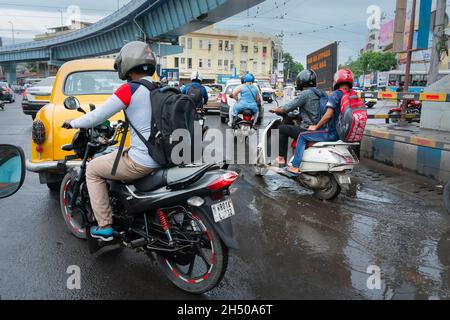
{"x":216,"y":264}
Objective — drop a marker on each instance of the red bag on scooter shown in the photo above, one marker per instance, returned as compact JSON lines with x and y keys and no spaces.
{"x":353,"y":118}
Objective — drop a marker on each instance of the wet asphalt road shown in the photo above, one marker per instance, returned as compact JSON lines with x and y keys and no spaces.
{"x":293,"y":246}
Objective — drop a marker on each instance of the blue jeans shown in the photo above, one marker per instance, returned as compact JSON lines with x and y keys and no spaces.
{"x":239,"y":107}
{"x":310,"y":136}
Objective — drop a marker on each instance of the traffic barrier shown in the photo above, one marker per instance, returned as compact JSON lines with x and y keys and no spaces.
{"x":387,"y":95}
{"x":394,"y":116}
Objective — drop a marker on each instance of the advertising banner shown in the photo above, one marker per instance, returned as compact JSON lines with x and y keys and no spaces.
{"x":324,"y":63}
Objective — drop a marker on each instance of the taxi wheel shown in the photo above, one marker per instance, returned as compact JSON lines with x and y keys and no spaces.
{"x":55,"y":186}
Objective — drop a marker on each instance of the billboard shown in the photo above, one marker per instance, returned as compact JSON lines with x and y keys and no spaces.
{"x":324,"y":63}
{"x":387,"y":33}
{"x":170,"y":74}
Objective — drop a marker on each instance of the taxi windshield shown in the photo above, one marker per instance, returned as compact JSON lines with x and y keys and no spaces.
{"x":92,"y":82}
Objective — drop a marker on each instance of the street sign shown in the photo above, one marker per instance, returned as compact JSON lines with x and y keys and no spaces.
{"x":324,"y":63}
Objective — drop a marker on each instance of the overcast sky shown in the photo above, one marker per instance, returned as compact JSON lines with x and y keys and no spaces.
{"x":311,"y":17}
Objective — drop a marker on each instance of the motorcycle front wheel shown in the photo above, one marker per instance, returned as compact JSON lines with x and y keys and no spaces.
{"x":72,"y":216}
{"x":202,"y":269}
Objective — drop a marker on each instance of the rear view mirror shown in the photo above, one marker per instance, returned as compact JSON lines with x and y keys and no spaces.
{"x":12,"y":170}
{"x":72,"y":103}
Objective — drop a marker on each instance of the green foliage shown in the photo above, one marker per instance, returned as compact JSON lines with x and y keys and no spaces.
{"x":291,"y":67}
{"x":31,"y":66}
{"x":371,"y":61}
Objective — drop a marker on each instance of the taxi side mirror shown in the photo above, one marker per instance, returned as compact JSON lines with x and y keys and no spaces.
{"x":12,"y":170}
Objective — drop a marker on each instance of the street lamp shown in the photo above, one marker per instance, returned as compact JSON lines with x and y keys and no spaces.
{"x":12,"y":30}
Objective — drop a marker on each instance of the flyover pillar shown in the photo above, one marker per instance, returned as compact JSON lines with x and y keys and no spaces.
{"x":9,"y":71}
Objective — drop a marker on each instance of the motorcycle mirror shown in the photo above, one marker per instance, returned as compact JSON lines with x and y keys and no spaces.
{"x":92,"y":107}
{"x":72,"y":103}
{"x":12,"y":170}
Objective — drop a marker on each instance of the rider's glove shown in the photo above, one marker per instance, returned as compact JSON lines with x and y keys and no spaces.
{"x":67,"y":125}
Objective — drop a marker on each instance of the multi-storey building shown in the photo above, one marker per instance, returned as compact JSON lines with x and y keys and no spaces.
{"x":220,"y":54}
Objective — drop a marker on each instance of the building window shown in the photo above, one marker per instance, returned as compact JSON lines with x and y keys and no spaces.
{"x":244,"y":48}
{"x":264,"y":52}
{"x":200,"y":44}
{"x":231,"y":64}
{"x":177,"y":62}
{"x":255,"y":66}
{"x":183,"y":61}
{"x":263,"y":67}
{"x":227,"y":45}
{"x":219,"y":63}
{"x":189,"y":43}
{"x":189,"y":63}
{"x":200,"y":63}
{"x":255,"y":49}
{"x":225,"y":63}
{"x":243,"y":65}
{"x":209,"y":63}
{"x":232,"y":46}
{"x":220,"y":45}
{"x":183,"y":42}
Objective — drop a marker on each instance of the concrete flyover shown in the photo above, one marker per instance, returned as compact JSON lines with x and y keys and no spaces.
{"x":154,"y":20}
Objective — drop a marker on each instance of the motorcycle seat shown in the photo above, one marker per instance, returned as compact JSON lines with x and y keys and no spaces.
{"x":173,"y":178}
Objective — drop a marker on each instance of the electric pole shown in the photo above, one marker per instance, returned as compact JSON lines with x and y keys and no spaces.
{"x":438,"y":37}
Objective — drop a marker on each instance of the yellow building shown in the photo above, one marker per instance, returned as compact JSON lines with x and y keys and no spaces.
{"x":216,"y":53}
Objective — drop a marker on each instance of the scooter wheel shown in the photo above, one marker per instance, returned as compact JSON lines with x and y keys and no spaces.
{"x":331,"y":193}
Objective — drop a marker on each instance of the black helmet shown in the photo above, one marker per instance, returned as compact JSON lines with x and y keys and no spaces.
{"x":306,"y":79}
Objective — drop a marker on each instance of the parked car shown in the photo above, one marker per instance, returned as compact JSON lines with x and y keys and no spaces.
{"x":214,"y":91}
{"x":226,"y":102}
{"x":7,"y":94}
{"x":37,"y":96}
{"x":90,"y":81}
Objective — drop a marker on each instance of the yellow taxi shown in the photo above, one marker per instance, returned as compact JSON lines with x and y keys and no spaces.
{"x":92,"y":81}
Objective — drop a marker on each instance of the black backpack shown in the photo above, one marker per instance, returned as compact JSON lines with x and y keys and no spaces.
{"x":196,"y":94}
{"x":171,"y":110}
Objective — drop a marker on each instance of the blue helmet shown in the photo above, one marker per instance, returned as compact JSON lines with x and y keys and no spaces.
{"x":248,"y":78}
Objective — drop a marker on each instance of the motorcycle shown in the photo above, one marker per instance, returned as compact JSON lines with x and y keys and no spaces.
{"x":413,"y":108}
{"x":325,"y":168}
{"x":244,"y":124}
{"x":180,"y":217}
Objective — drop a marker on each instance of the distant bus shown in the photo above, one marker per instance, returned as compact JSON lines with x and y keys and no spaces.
{"x":419,"y":80}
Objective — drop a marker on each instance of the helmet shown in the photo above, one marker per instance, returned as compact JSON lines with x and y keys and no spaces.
{"x":306,"y":79}
{"x":196,"y":76}
{"x":134,"y":55}
{"x":343,"y":76}
{"x":248,"y":78}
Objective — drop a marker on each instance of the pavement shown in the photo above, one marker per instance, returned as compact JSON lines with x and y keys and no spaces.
{"x":293,"y":246}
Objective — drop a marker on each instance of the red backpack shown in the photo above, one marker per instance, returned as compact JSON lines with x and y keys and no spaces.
{"x":353,"y":118}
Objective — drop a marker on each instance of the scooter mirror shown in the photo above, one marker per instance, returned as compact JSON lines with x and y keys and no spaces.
{"x":12,"y":170}
{"x":72,"y":103}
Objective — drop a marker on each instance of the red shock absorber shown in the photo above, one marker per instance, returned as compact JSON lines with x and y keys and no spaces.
{"x":165,"y":224}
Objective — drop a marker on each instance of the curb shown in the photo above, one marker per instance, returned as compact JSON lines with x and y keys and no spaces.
{"x":426,"y":157}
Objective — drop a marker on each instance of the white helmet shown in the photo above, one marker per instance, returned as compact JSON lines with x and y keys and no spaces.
{"x":196,"y":76}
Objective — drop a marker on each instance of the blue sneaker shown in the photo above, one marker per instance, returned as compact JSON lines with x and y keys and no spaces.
{"x":105,"y":235}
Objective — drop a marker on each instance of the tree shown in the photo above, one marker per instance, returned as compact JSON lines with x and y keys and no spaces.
{"x":291,"y":67}
{"x":371,"y":61}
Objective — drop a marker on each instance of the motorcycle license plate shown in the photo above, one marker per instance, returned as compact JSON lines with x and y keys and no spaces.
{"x":223,"y":210}
{"x":344,"y":179}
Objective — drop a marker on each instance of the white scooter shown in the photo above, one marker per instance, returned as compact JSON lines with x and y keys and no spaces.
{"x":325,"y":168}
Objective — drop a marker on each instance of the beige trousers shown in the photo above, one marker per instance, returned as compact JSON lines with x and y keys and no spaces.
{"x":98,"y":171}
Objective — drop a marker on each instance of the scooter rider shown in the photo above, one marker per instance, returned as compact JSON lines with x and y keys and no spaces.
{"x":196,"y":90}
{"x":308,"y":104}
{"x":135,"y":62}
{"x":325,"y":130}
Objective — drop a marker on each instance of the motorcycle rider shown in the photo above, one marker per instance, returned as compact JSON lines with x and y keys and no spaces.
{"x":249,"y":99}
{"x":308,"y":104}
{"x":135,"y":62}
{"x":196,"y":90}
{"x":325,"y":130}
